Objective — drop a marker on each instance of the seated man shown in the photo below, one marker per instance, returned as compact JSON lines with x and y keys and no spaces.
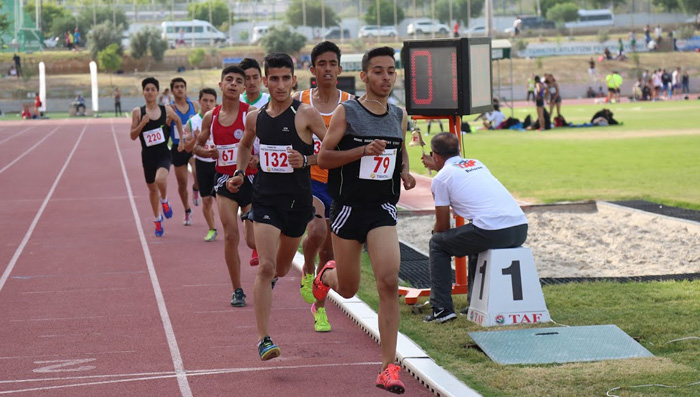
{"x":79,"y":102}
{"x":495,"y":219}
{"x":493,"y":119}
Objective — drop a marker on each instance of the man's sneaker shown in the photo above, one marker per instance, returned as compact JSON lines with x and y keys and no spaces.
{"x":196,"y":199}
{"x":238,"y":299}
{"x":159,"y":227}
{"x":306,"y":289}
{"x":188,"y":218}
{"x":320,"y":319}
{"x":439,"y":315}
{"x":464,"y":311}
{"x":167,"y":210}
{"x":254,"y":260}
{"x":211,"y":236}
{"x":319,"y":289}
{"x":389,"y":380}
{"x":267,"y":349}
{"x":274,"y":282}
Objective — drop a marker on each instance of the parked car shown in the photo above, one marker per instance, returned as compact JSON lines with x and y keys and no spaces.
{"x":195,"y":31}
{"x":373,"y":31}
{"x":592,"y":18}
{"x":334,"y":33}
{"x":476,"y":31}
{"x":427,"y":26}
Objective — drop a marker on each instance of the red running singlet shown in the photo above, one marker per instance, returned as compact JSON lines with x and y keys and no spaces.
{"x":226,"y":139}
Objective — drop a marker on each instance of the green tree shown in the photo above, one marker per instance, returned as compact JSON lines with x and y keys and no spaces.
{"x":147,"y":41}
{"x":50,"y":12}
{"x":386,"y":13}
{"x":102,"y":36}
{"x":195,"y":58}
{"x":102,"y":14}
{"x":563,"y":12}
{"x":62,"y":24}
{"x":691,"y":7}
{"x":219,"y":12}
{"x":606,"y":3}
{"x":668,"y":5}
{"x":282,"y":39}
{"x":459,"y":10}
{"x":110,"y":59}
{"x":295,"y":14}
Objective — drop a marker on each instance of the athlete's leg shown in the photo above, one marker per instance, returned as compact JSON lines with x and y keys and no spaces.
{"x":345,"y":278}
{"x":154,"y":198}
{"x":208,"y":211}
{"x":286,"y":251}
{"x":195,"y":184}
{"x":248,"y":232}
{"x":383,"y":249}
{"x":228,"y":213}
{"x":181,"y":176}
{"x":162,"y":182}
{"x":267,"y":239}
{"x":316,"y":233}
{"x":325,"y":254}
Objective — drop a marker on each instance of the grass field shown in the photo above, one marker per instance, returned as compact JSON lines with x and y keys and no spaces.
{"x":654,"y":155}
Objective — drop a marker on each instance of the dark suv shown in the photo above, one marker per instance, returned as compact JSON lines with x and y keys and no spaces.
{"x":536,"y":22}
{"x":334,"y":33}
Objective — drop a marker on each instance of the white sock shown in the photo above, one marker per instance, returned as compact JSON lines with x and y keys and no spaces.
{"x":159,"y":218}
{"x":165,"y":200}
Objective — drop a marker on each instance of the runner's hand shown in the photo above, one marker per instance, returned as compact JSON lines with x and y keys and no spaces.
{"x":296,"y":159}
{"x":181,"y":146}
{"x":375,"y":148}
{"x":409,"y":182}
{"x":254,"y":160}
{"x":234,"y":183}
{"x":212,"y":153}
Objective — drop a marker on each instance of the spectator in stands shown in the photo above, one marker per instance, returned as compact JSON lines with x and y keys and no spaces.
{"x":658,"y":32}
{"x":496,"y":220}
{"x":633,"y":41}
{"x":79,"y":104}
{"x":591,"y":70}
{"x":647,"y":34}
{"x":590,"y":93}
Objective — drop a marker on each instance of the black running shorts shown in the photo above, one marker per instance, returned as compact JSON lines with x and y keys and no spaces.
{"x":292,"y":223}
{"x":354,"y":223}
{"x":243,"y":197}
{"x":151,"y":162}
{"x":206,"y":172}
{"x":179,"y":158}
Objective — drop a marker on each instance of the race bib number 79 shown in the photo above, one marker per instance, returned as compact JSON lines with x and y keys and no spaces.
{"x":378,"y":168}
{"x":154,"y":137}
{"x":274,"y":158}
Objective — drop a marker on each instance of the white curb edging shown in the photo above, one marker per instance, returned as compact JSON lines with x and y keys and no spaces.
{"x":410,"y":356}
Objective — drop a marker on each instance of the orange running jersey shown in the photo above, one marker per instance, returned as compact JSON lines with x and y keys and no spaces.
{"x":317,"y":173}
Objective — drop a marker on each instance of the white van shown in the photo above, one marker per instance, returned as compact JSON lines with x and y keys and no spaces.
{"x":193,"y":32}
{"x":592,"y":18}
{"x":258,"y":33}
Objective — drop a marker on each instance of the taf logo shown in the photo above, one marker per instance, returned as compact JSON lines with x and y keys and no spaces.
{"x":466,"y":163}
{"x":500,"y":319}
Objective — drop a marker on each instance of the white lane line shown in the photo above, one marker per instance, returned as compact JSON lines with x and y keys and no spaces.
{"x":164,"y":375}
{"x":33,"y":147}
{"x":162,"y":309}
{"x":14,"y":135}
{"x":25,"y":240}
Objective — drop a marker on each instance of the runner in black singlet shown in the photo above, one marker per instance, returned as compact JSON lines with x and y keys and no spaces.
{"x":282,"y":188}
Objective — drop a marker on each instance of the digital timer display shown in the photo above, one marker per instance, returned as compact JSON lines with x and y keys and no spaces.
{"x":447,"y":77}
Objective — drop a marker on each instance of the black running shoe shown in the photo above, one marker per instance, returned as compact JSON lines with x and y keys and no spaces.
{"x":439,"y":315}
{"x":267,"y":349}
{"x":274,"y":282}
{"x":238,"y":299}
{"x":247,"y":216}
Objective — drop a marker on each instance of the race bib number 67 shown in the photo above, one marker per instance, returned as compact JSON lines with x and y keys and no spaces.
{"x":274,"y":158}
{"x":227,"y":154}
{"x":154,"y":137}
{"x":378,"y":168}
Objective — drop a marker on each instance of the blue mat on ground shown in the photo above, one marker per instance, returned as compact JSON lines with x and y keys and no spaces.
{"x":559,"y":345}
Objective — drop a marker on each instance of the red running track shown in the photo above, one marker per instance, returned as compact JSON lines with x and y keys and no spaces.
{"x":91,"y":303}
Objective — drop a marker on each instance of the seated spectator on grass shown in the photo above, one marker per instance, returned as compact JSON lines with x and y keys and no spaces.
{"x":607,"y":53}
{"x":496,"y":220}
{"x":637,"y":91}
{"x":494,"y":118}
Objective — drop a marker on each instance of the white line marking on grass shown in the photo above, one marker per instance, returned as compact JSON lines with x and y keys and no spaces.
{"x":162,"y":309}
{"x":25,"y":240}
{"x":34,"y":147}
{"x":14,"y":135}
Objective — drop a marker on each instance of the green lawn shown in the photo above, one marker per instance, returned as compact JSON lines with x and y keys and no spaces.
{"x":654,"y":155}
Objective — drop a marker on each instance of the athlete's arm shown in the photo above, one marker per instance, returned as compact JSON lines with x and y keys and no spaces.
{"x":442,"y":219}
{"x":245,"y":150}
{"x":297,"y":95}
{"x":312,"y":124}
{"x":178,"y":124}
{"x":329,"y":157}
{"x":409,"y":182}
{"x":137,"y":123}
{"x":203,"y":136}
{"x":189,"y":146}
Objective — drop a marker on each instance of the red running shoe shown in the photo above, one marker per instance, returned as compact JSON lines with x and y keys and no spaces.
{"x":319,"y":289}
{"x":389,"y":380}
{"x":254,"y":261}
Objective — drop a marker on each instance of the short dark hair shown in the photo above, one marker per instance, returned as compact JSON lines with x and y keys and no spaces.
{"x":248,"y":63}
{"x":445,"y":144}
{"x":376,"y":52}
{"x":232,"y":69}
{"x":278,"y":60}
{"x":322,"y":48}
{"x":205,"y":91}
{"x":177,"y":80}
{"x":150,"y":80}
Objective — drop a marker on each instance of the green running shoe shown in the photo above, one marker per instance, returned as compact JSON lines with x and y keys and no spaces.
{"x":307,"y":282}
{"x":320,"y":319}
{"x":211,"y":236}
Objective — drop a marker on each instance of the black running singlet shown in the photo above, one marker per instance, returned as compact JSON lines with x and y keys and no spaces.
{"x":277,"y":183}
{"x":154,"y":136}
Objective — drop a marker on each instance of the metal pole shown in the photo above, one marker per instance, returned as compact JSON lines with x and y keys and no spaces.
{"x":303,"y":14}
{"x":451,"y":24}
{"x":415,"y":33}
{"x":432,"y":16}
{"x":396,"y":19}
{"x":323,"y":17}
{"x":378,"y":21}
{"x":94,"y":14}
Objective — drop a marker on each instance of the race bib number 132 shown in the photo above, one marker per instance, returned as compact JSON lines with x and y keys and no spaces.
{"x":378,"y":168}
{"x":274,"y":158}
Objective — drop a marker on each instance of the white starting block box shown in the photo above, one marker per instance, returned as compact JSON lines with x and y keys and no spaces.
{"x":506,"y":289}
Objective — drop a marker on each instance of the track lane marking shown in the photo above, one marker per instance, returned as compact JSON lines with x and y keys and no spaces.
{"x":14,"y":135}
{"x":30,"y":231}
{"x":35,"y":146}
{"x":160,"y":300}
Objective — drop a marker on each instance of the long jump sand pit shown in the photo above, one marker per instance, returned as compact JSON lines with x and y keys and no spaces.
{"x":598,"y":241}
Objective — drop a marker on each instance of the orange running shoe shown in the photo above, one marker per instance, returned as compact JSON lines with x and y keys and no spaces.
{"x":319,"y":289}
{"x":254,"y":260}
{"x":389,"y":380}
